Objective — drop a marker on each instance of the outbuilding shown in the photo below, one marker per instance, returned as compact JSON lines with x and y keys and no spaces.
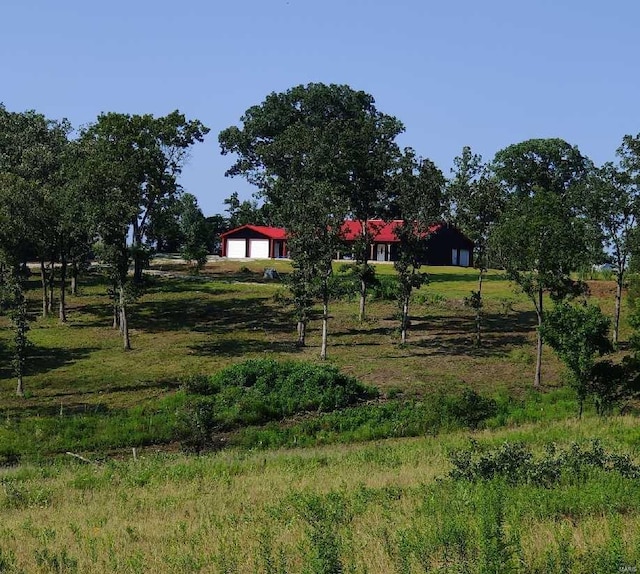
{"x":254,"y":242}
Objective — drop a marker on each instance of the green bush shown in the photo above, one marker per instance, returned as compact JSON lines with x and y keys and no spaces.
{"x":515,"y":464}
{"x":261,"y":390}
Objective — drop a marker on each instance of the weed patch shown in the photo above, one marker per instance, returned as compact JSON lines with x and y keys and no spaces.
{"x":516,"y":464}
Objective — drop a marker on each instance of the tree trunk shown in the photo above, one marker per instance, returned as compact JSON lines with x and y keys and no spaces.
{"x":63,"y":286}
{"x":405,"y":320}
{"x":20,"y":388}
{"x":116,"y":309}
{"x":45,"y":293}
{"x":616,"y":319}
{"x":363,"y":299}
{"x":366,"y":248}
{"x":302,"y":333}
{"x":137,"y":267}
{"x":52,"y":287}
{"x":538,"y":377}
{"x":325,"y":325}
{"x":74,"y":279}
{"x":124,"y":327}
{"x":137,"y":252}
{"x":479,"y":310}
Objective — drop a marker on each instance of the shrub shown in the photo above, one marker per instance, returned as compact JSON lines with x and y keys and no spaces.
{"x":470,"y":408}
{"x":611,"y":383}
{"x":261,"y":390}
{"x":515,"y":464}
{"x":395,"y":418}
{"x":577,"y":333}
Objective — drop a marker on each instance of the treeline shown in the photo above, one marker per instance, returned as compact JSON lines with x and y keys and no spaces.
{"x":102,"y":192}
{"x":318,"y":154}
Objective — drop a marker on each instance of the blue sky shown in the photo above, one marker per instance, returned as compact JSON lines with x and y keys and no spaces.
{"x":458,"y":72}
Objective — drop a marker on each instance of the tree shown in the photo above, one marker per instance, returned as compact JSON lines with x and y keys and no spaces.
{"x":153,"y":152}
{"x":374,"y":155}
{"x":613,"y":203}
{"x":163,"y":233}
{"x":298,"y":148}
{"x":418,"y":190}
{"x":194,"y":231}
{"x":110,"y":178}
{"x":32,"y":152}
{"x":130,"y":167}
{"x":577,"y":333}
{"x":34,"y":149}
{"x":14,"y":233}
{"x":543,"y":234}
{"x":246,"y":212}
{"x":477,"y":201}
{"x":216,"y":225}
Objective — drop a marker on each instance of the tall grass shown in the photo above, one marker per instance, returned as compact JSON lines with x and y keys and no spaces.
{"x":380,"y":507}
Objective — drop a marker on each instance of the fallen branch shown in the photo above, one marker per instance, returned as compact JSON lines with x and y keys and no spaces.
{"x":82,"y":458}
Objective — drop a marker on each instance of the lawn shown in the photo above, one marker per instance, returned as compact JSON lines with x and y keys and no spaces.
{"x":194,"y":325}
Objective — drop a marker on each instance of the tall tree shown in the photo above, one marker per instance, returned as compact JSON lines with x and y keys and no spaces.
{"x":298,"y":148}
{"x":14,"y":234}
{"x":194,"y":231}
{"x":477,"y":201}
{"x":373,"y":160}
{"x":154,"y":151}
{"x":131,"y":165}
{"x":110,"y":178}
{"x":418,"y":189}
{"x":33,"y":148}
{"x":613,"y":201}
{"x":543,"y":235}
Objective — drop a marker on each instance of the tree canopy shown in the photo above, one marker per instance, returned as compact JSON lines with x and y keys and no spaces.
{"x":317,"y":154}
{"x":543,"y":234}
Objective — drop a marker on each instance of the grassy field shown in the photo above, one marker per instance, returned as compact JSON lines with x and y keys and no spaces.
{"x":183,"y":326}
{"x":84,"y":391}
{"x":344,"y":503}
{"x":380,"y":507}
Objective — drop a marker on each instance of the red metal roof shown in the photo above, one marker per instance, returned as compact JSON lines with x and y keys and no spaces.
{"x":381,"y":231}
{"x":270,"y":232}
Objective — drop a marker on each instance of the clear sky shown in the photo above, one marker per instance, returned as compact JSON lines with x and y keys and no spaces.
{"x":456,"y":72}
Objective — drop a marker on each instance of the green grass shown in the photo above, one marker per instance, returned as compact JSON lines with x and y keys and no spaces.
{"x":185,"y":326}
{"x":386,"y":506}
{"x":356,"y":498}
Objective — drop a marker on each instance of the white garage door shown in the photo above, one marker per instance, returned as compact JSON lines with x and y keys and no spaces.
{"x":464,"y":258}
{"x":236,"y":248}
{"x":259,"y":248}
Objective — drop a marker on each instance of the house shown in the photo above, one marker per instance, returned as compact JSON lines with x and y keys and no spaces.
{"x":447,"y":245}
{"x":254,"y":241}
